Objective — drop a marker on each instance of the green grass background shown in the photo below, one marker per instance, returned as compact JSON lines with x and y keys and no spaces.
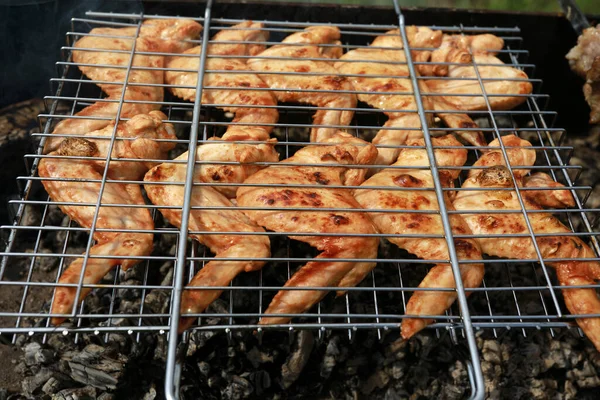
{"x":588,"y":6}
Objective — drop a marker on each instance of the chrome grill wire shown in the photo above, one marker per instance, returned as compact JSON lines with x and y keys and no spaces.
{"x":378,"y":318}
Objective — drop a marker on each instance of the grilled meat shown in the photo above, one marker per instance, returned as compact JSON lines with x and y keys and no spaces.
{"x":214,"y":273}
{"x":121,"y":245}
{"x":248,"y":106}
{"x":383,"y":79}
{"x":507,"y":81}
{"x":346,"y":151}
{"x":313,"y":82}
{"x":578,"y":272}
{"x":161,"y":35}
{"x":399,"y":196}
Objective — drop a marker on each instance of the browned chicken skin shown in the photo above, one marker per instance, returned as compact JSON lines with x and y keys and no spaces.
{"x":314,"y":273}
{"x":400,"y":197}
{"x":220,"y":273}
{"x":142,"y":127}
{"x":214,"y":273}
{"x":455,"y":90}
{"x":582,"y":272}
{"x":231,"y":100}
{"x":376,"y":78}
{"x":161,"y":35}
{"x":295,"y":61}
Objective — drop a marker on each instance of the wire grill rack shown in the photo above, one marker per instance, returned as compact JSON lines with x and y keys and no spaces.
{"x":521,"y":294}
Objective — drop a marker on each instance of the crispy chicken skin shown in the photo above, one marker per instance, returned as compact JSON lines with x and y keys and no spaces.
{"x":581,"y":272}
{"x":382,"y":86}
{"x":455,"y":90}
{"x":314,"y":273}
{"x":584,"y":60}
{"x":520,"y":158}
{"x":214,"y":273}
{"x":155,"y":36}
{"x":300,"y":59}
{"x":117,"y":244}
{"x":401,"y":197}
{"x":231,"y":100}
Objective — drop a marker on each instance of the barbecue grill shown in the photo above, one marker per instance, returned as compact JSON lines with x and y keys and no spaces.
{"x":379,"y":303}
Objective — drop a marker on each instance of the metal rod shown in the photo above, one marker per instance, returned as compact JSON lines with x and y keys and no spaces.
{"x":170,"y":385}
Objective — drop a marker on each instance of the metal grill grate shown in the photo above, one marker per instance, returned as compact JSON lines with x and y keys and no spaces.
{"x":520,"y":294}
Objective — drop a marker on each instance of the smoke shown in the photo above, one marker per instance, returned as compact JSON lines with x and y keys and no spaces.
{"x":32,"y":33}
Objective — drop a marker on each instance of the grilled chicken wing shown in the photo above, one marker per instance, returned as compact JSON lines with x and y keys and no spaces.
{"x":155,"y":36}
{"x":561,"y":198}
{"x":401,"y":197}
{"x":520,"y":158}
{"x":245,"y":104}
{"x":304,"y":86}
{"x":118,"y":244}
{"x":383,"y":79}
{"x":214,"y":273}
{"x":581,"y":272}
{"x":314,"y":273}
{"x":505,"y":80}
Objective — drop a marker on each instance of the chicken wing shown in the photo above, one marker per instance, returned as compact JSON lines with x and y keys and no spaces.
{"x":314,"y":273}
{"x":458,"y":49}
{"x":232,"y":100}
{"x":162,"y":35}
{"x":507,"y":85}
{"x":520,"y":157}
{"x":214,"y":273}
{"x":581,"y":272}
{"x":400,"y":196}
{"x":382,"y":76}
{"x":142,"y":129}
{"x":302,"y":85}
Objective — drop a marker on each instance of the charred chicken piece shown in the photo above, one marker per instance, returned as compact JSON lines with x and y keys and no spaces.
{"x":163,"y":35}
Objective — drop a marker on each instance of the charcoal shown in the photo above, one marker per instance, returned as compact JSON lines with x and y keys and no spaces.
{"x":106,"y":396}
{"x":379,"y":379}
{"x":261,"y":381}
{"x":330,"y":358}
{"x":298,"y":358}
{"x":204,"y":368}
{"x":238,"y":388}
{"x":35,"y":354}
{"x":32,"y":384}
{"x":56,"y":382}
{"x":84,"y":393}
{"x":258,"y":357}
{"x":150,"y":394}
{"x":31,"y":216}
{"x":96,"y":366}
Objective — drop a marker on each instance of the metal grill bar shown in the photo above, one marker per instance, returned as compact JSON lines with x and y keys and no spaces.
{"x":478,"y":390}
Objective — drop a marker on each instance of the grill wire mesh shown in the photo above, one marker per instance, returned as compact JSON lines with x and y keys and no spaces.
{"x":529,"y":289}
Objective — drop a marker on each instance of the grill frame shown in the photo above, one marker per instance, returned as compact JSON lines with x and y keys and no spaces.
{"x":464,"y":323}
